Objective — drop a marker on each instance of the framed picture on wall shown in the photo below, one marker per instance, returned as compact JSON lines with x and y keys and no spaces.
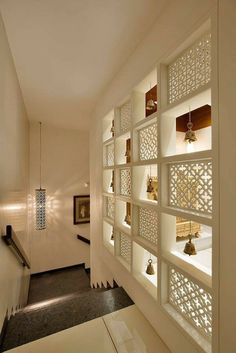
{"x":81,"y":209}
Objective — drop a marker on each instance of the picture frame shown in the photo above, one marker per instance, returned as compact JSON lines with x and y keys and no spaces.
{"x":81,"y":209}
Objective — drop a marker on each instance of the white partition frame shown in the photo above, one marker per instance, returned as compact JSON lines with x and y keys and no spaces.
{"x":200,"y":332}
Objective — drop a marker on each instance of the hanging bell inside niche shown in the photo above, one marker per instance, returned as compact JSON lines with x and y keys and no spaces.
{"x":150,"y":269}
{"x":112,"y":128}
{"x":189,"y":248}
{"x":112,"y":181}
{"x":149,"y":185}
{"x":112,"y":234}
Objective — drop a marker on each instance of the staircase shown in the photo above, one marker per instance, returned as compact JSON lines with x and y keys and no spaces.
{"x":59,"y":300}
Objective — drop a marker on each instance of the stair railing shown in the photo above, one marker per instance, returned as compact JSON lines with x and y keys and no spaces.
{"x":12,"y":241}
{"x":85,"y":240}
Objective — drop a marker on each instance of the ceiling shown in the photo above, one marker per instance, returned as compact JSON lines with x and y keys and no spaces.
{"x":67,"y":51}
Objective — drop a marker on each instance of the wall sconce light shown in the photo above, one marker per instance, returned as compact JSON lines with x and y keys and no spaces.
{"x":40,"y":194}
{"x":190,"y":135}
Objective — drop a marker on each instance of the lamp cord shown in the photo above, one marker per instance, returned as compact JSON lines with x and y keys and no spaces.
{"x":40,"y":154}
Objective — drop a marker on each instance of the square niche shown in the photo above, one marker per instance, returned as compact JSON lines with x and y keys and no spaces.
{"x":123,"y":149}
{"x":175,"y":124}
{"x":108,"y":236}
{"x":123,"y":215}
{"x":141,"y":258}
{"x":177,"y":235}
{"x":145,"y":183}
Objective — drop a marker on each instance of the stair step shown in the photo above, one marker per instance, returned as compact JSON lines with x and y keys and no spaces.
{"x":37,"y":321}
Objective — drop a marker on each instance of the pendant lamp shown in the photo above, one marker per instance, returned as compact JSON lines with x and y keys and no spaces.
{"x":40,"y":194}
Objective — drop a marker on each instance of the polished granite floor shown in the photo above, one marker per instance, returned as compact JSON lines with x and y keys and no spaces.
{"x":123,"y":331}
{"x":58,"y":301}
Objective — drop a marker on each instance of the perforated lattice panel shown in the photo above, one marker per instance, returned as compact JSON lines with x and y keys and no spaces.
{"x":190,"y":70}
{"x":148,"y":142}
{"x":125,"y":248}
{"x":125,"y":117}
{"x":190,"y":185}
{"x":148,"y":225}
{"x":109,"y":155}
{"x":125,"y":182}
{"x":192,"y":301}
{"x":110,"y":207}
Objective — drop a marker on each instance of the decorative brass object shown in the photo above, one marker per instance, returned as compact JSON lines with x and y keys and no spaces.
{"x":190,"y":135}
{"x":189,"y":248}
{"x":151,"y":100}
{"x":128,"y":214}
{"x":150,"y":104}
{"x":149,"y":185}
{"x":150,"y":269}
{"x":152,"y":188}
{"x":112,"y":234}
{"x":128,"y":150}
{"x":113,"y":128}
{"x":112,"y":185}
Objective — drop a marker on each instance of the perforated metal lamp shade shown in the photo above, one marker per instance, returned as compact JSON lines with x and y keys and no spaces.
{"x":40,"y":200}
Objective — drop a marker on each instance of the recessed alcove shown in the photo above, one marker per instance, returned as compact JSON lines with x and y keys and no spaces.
{"x":177,"y":235}
{"x":140,"y":268}
{"x":174,"y":125}
{"x":108,"y":236}
{"x":123,"y":149}
{"x":108,"y":126}
{"x":144,"y":98}
{"x":145,"y":183}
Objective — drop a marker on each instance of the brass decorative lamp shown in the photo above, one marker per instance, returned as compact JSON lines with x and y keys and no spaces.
{"x":190,"y":135}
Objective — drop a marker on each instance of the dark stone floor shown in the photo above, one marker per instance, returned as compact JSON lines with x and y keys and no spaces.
{"x":68,"y":301}
{"x":58,"y":283}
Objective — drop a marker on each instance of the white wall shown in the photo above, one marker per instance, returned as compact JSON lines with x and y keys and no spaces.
{"x":14,"y":146}
{"x":227,"y":174}
{"x":174,"y":25}
{"x":65,"y":169}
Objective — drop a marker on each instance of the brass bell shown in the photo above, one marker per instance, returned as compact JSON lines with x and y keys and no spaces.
{"x":189,"y":248}
{"x":149,"y":186}
{"x":112,"y":234}
{"x":150,"y":269}
{"x":112,"y":181}
{"x":112,"y":128}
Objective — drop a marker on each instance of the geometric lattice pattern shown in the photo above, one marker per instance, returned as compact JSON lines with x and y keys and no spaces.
{"x":125,"y":182}
{"x":190,"y":185}
{"x":190,"y":70}
{"x":110,"y":207}
{"x":109,"y":155}
{"x":125,"y":117}
{"x":40,"y":207}
{"x":148,"y":224}
{"x":125,"y":248}
{"x":148,"y":142}
{"x":193,"y":302}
